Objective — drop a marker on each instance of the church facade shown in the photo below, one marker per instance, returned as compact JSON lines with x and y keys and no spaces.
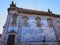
{"x":30,"y":27}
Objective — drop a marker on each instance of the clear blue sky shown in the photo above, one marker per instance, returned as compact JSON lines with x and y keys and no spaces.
{"x":43,"y":5}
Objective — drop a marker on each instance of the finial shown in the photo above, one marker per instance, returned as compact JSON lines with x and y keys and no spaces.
{"x":12,"y":2}
{"x":49,"y":10}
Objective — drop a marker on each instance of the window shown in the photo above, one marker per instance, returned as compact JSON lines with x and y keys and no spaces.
{"x":38,"y":22}
{"x":14,"y":19}
{"x":58,"y":21}
{"x":50,"y":22}
{"x":59,"y":27}
{"x":25,"y":21}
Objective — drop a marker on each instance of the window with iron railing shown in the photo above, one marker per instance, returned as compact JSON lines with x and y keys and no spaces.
{"x":38,"y":21}
{"x":25,"y":21}
{"x":50,"y":22}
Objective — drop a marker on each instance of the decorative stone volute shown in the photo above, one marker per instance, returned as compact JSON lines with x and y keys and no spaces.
{"x":12,"y":6}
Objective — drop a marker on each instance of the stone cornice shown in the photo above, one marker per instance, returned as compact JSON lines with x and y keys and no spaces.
{"x":29,"y":11}
{"x":36,"y":12}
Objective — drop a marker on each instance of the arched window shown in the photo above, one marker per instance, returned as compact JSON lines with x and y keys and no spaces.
{"x":25,"y":21}
{"x":50,"y":22}
{"x":59,"y":27}
{"x":38,"y":22}
{"x":14,"y":19}
{"x":58,"y":22}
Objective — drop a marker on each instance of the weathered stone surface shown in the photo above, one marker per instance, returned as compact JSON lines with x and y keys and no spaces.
{"x":47,"y":34}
